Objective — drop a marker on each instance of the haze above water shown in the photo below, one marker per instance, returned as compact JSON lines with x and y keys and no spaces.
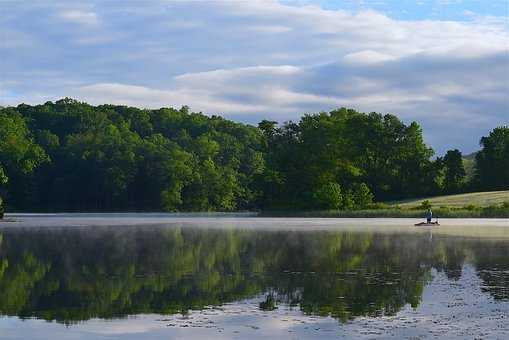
{"x":135,"y":276}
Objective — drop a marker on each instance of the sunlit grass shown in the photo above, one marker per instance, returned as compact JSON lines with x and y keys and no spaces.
{"x":480,"y":199}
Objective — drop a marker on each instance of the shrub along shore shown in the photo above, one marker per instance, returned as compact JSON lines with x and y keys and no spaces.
{"x":380,"y":210}
{"x":494,"y":211}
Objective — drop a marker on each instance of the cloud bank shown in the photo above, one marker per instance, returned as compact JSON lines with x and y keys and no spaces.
{"x":261,"y":60}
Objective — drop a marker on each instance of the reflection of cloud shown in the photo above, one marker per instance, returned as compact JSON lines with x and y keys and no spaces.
{"x":132,"y":325}
{"x":253,"y":60}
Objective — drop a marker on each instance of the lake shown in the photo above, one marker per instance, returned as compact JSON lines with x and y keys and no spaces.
{"x":213,"y":276}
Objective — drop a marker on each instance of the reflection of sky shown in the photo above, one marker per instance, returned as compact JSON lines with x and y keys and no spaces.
{"x":450,"y":309}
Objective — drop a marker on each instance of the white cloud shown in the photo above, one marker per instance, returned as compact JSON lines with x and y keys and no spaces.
{"x":269,"y":29}
{"x":141,"y":96}
{"x":263,"y":59}
{"x":367,"y":57}
{"x":468,"y":13}
{"x":79,"y":17}
{"x":223,"y":75}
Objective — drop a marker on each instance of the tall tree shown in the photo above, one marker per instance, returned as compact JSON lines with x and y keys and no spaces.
{"x":19,"y":154}
{"x":306,"y":160}
{"x":454,"y":176}
{"x":492,"y":162}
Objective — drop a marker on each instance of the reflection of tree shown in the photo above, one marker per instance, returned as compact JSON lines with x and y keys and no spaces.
{"x":76,"y":274}
{"x":364,"y":275}
{"x":3,"y":262}
{"x":450,"y":261}
{"x":492,"y":265}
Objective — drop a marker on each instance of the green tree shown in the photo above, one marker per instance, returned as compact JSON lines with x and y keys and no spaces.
{"x":164,"y":170}
{"x":329,"y":196}
{"x":454,"y":177}
{"x":19,"y":154}
{"x":112,"y":157}
{"x":492,"y":162}
{"x":349,"y":148}
{"x":362,"y":196}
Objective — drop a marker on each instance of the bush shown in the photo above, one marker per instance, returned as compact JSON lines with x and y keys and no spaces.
{"x":1,"y":208}
{"x":470,"y":207}
{"x":348,"y":201}
{"x":329,"y":196}
{"x":362,"y":196}
{"x":425,"y":205}
{"x":500,"y":211}
{"x":488,"y":212}
{"x":381,"y":205}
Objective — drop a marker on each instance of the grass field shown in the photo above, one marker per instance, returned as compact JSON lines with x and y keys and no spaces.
{"x":481,"y":199}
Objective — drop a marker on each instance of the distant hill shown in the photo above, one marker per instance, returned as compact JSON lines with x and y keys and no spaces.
{"x":475,"y":198}
{"x":470,"y":156}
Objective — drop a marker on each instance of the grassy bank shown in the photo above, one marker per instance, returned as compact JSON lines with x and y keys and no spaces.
{"x":395,"y":213}
{"x":479,"y":199}
{"x":472,"y":205}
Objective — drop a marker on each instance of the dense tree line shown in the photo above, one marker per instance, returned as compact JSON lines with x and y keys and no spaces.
{"x":72,"y":156}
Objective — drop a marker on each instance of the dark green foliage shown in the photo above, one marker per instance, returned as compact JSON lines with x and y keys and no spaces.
{"x":71,"y":156}
{"x":454,"y":177}
{"x":19,"y":156}
{"x":348,"y":148}
{"x":425,"y":205}
{"x":362,"y":196}
{"x":110,"y":158}
{"x":329,"y":196}
{"x":492,"y":162}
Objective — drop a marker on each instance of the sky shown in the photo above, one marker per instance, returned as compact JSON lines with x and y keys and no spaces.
{"x":442,"y":63}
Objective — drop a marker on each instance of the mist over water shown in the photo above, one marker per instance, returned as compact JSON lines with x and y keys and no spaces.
{"x":154,"y":275}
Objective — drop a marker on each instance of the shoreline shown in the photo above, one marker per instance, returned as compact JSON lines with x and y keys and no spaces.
{"x":440,"y":213}
{"x":231,"y":220}
{"x":393,"y":213}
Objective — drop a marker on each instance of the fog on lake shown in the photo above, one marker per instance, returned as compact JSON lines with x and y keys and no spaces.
{"x":180,"y":276}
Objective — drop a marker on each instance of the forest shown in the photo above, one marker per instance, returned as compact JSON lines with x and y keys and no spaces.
{"x":71,"y":156}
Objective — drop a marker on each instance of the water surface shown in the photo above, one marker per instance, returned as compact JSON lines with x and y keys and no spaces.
{"x":93,"y":276}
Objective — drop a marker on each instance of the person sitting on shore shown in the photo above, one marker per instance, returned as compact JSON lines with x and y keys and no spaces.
{"x":429,"y":216}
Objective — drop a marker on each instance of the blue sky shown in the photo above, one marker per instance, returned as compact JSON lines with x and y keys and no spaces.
{"x":443,"y":63}
{"x":458,"y":10}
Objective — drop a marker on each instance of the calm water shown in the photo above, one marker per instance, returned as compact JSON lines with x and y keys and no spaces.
{"x":135,"y":276}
